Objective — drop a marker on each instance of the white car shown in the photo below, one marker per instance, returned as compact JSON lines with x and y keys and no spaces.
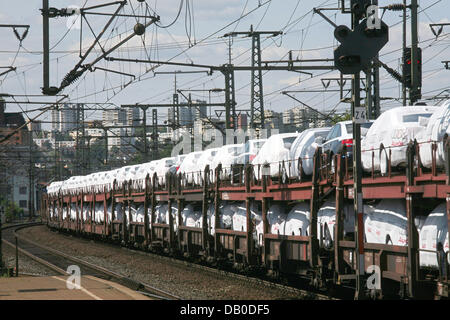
{"x":304,"y":148}
{"x":206,"y":158}
{"x":273,"y":152}
{"x":162,"y":167}
{"x":437,"y":127}
{"x":226,"y":156}
{"x":391,"y":133}
{"x":178,"y":160}
{"x":251,"y":149}
{"x":188,"y":167}
{"x":433,"y":232}
{"x":386,"y":223}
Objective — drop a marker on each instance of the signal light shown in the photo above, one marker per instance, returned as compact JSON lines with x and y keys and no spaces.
{"x":407,"y":64}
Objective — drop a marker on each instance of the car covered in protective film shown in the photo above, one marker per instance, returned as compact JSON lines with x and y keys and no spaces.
{"x":274,"y":153}
{"x":303,"y":149}
{"x":251,"y":149}
{"x":177,"y":162}
{"x":188,"y":168}
{"x":437,"y":127}
{"x":390,"y":134}
{"x":227,"y":156}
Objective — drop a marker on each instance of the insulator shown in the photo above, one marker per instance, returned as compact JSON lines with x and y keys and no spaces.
{"x":71,"y":77}
{"x":396,"y":7}
{"x":397,"y":76}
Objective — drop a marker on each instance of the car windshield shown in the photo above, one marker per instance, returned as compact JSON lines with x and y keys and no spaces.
{"x":288,"y":142}
{"x":366,"y":126}
{"x":415,"y":117}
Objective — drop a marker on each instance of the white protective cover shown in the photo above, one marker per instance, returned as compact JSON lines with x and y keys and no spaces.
{"x":226,"y":155}
{"x":64,"y":211}
{"x":162,"y":214}
{"x":272,"y":152}
{"x":162,"y":167}
{"x":99,"y":213}
{"x":391,"y":130}
{"x":206,"y":158}
{"x":297,"y":221}
{"x":144,"y":169}
{"x":276,"y":216}
{"x":304,"y":147}
{"x":123,"y":175}
{"x":188,"y":167}
{"x":210,"y":219}
{"x":86,"y":213}
{"x":226,"y":212}
{"x":240,"y":216}
{"x":437,"y":127}
{"x":326,"y":218}
{"x":191,"y":218}
{"x":73,"y":212}
{"x":434,"y":230}
{"x":137,"y":214}
{"x":386,"y":218}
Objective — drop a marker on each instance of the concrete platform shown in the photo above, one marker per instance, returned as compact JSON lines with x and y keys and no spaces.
{"x":55,"y":288}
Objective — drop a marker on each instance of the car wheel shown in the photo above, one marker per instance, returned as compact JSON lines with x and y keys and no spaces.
{"x":384,"y":162}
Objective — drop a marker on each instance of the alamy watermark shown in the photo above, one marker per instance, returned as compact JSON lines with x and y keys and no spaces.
{"x":190,"y":143}
{"x":374,"y":280}
{"x":74,"y":280}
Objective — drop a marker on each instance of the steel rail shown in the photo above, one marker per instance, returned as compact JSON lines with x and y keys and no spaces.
{"x":252,"y":280}
{"x":139,"y":287}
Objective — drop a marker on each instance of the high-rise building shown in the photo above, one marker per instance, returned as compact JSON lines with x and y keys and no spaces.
{"x":133,"y":117}
{"x":127,"y":117}
{"x":65,"y":118}
{"x":114,"y":116}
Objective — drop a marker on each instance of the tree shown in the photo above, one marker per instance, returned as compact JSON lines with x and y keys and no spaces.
{"x":12,"y":210}
{"x":341,"y":117}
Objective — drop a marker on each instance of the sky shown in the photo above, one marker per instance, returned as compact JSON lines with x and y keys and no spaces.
{"x":194,"y":34}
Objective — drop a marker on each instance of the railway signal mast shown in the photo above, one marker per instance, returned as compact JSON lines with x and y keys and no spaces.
{"x":358,"y":48}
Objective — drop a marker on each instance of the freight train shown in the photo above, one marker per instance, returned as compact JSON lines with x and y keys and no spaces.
{"x":300,"y":226}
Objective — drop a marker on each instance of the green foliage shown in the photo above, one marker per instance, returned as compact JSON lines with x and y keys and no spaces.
{"x":12,"y":210}
{"x":341,"y":117}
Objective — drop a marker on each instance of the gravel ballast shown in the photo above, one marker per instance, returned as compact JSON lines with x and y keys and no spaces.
{"x":26,"y":265}
{"x":177,"y":278}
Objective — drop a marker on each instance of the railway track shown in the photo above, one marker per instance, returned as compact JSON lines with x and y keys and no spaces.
{"x":301,"y":293}
{"x":59,"y":262}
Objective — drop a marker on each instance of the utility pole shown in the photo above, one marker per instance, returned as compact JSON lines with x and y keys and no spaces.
{"x":155,"y":152}
{"x":257,"y":97}
{"x":175,"y":98}
{"x":403,"y":51}
{"x":144,"y":126}
{"x":357,"y":175}
{"x":414,"y":93}
{"x":358,"y":50}
{"x":80,"y":68}
{"x":30,"y":178}
{"x":81,"y":160}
